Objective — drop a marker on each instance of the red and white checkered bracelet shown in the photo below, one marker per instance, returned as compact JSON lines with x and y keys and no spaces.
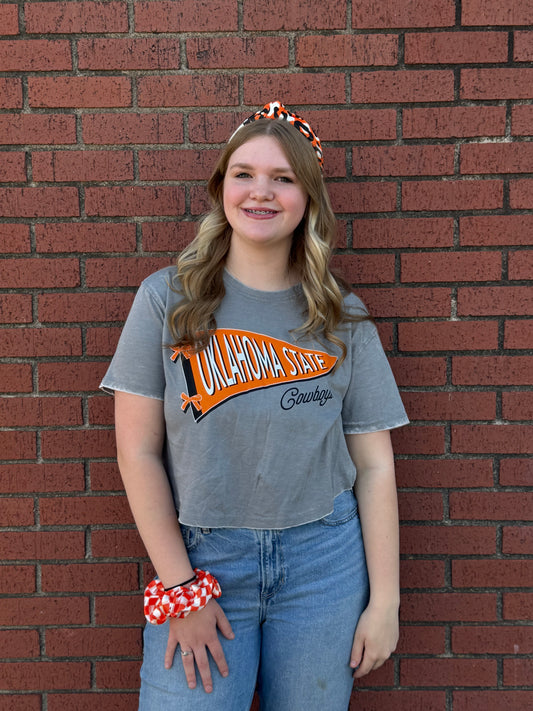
{"x":159,"y":604}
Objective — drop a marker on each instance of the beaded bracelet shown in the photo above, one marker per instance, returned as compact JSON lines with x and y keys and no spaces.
{"x":160,"y":604}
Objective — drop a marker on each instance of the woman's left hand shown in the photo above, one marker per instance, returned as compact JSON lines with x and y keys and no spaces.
{"x":376,"y":637}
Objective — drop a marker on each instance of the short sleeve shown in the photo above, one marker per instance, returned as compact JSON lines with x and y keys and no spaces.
{"x":137,"y":366}
{"x":372,"y":401}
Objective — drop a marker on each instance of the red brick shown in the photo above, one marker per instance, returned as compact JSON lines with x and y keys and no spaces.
{"x":105,"y":477}
{"x":102,"y":341}
{"x":517,"y":406}
{"x":454,"y":121}
{"x":406,"y":302}
{"x":325,"y":88}
{"x":44,"y":411}
{"x":491,"y":505}
{"x":10,"y":93}
{"x":387,"y":233}
{"x":87,"y":166}
{"x":41,"y":545}
{"x":79,"y":17}
{"x":492,"y":640}
{"x":124,"y":543}
{"x":402,"y":86}
{"x":504,"y":439}
{"x":499,"y":700}
{"x":236,"y":52}
{"x":45,"y":129}
{"x":15,"y":378}
{"x":79,"y":92}
{"x":17,"y":445}
{"x":200,"y":202}
{"x":112,"y":306}
{"x":450,"y":406}
{"x":383,"y":676}
{"x":122,"y":271}
{"x":448,"y":335}
{"x":279,"y":15}
{"x":128,"y":128}
{"x":353,"y":124}
{"x":16,"y":512}
{"x":82,"y":510}
{"x":448,"y":607}
{"x":126,"y":54}
{"x":36,"y":342}
{"x":488,"y":230}
{"x":347,"y":50}
{"x":39,"y":273}
{"x":448,"y":672}
{"x":212,"y":127}
{"x":85,"y":237}
{"x":13,"y":167}
{"x":523,"y":51}
{"x":14,"y":238}
{"x":88,"y":702}
{"x":176,"y":165}
{"x":29,"y":676}
{"x":90,"y":577}
{"x":188,"y":90}
{"x":35,"y":55}
{"x":517,"y":672}
{"x":99,"y":642}
{"x":522,"y":120}
{"x":33,"y":477}
{"x":70,"y":377}
{"x":15,"y":308}
{"x":16,"y":580}
{"x":135,"y":200}
{"x":516,"y":472}
{"x":521,"y":194}
{"x":101,"y":411}
{"x":421,"y":640}
{"x":448,"y":540}
{"x":9,"y":19}
{"x":451,"y":266}
{"x":117,"y":675}
{"x":452,"y":195}
{"x":403,"y":160}
{"x":167,"y":236}
{"x":426,"y":506}
{"x":517,"y":540}
{"x":493,"y":12}
{"x":194,"y":16}
{"x":455,"y":47}
{"x":409,"y":13}
{"x":497,"y":158}
{"x":494,"y":301}
{"x":71,"y":444}
{"x":123,"y":610}
{"x":19,"y":643}
{"x":492,"y":573}
{"x":444,"y":473}
{"x":403,"y":700}
{"x":414,"y":371}
{"x":521,"y":265}
{"x":39,"y":202}
{"x":492,"y":370}
{"x":500,"y":83}
{"x":365,"y":268}
{"x":362,"y":197}
{"x":517,"y":606}
{"x":44,"y":610}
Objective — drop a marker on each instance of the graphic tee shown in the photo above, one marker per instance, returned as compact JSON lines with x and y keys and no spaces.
{"x":255,"y":423}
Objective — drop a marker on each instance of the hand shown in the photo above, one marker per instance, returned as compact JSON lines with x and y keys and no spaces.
{"x":375,"y":639}
{"x":198,"y":633}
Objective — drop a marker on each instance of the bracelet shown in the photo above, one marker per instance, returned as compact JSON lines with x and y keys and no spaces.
{"x":185,"y":582}
{"x":160,"y":604}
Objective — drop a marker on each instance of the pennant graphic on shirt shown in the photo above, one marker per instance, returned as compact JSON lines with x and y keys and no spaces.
{"x":236,"y":362}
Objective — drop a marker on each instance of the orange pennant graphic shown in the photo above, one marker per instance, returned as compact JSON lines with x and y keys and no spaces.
{"x":236,"y":362}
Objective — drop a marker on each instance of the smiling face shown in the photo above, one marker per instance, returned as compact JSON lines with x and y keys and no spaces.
{"x":263,"y":199}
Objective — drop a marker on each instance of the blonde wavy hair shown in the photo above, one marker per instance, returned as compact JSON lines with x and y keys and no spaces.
{"x":200,"y":266}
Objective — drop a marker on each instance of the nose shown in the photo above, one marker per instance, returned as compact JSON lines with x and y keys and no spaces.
{"x":261,"y":189}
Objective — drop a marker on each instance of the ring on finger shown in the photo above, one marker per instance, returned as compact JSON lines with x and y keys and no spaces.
{"x":185,"y":653}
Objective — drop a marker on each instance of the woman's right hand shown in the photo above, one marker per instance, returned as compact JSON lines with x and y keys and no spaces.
{"x":197,"y":633}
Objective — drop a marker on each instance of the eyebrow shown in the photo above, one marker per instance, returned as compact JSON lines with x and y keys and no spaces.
{"x":247,"y":166}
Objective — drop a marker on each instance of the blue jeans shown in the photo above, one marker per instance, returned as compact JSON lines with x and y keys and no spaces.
{"x":293,"y":597}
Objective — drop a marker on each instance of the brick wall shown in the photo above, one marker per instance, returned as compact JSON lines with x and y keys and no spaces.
{"x":110,"y":117}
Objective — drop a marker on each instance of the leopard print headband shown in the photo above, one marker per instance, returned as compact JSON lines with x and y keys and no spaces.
{"x":276,"y":110}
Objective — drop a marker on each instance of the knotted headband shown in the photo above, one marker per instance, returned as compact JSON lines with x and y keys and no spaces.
{"x":276,"y":110}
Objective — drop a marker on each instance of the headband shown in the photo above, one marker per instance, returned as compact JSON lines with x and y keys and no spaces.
{"x":276,"y":110}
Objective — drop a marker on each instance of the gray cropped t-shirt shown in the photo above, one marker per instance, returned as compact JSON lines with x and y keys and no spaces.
{"x":255,"y":423}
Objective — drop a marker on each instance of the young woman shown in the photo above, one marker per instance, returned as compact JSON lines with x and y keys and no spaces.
{"x":253,"y":399}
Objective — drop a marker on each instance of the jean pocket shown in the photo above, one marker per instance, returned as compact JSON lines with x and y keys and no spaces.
{"x":344,"y":509}
{"x":192,"y":536}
